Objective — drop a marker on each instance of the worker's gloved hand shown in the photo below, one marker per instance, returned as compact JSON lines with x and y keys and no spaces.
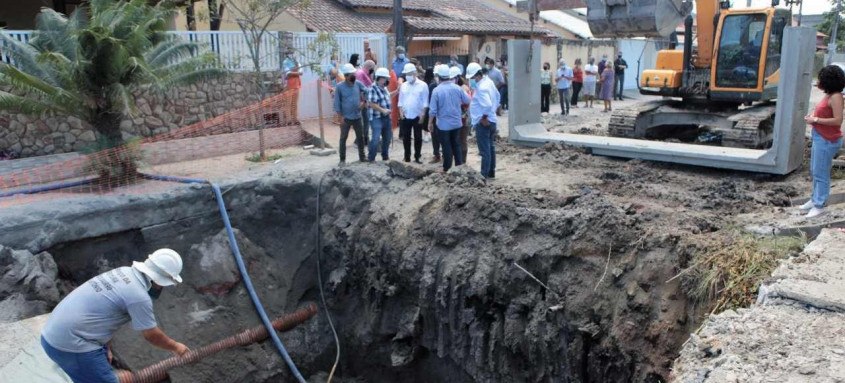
{"x":180,"y":349}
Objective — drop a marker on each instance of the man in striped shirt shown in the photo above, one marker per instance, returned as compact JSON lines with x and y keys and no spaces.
{"x":379,"y":108}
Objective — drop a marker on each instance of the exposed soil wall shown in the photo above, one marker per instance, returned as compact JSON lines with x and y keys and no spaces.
{"x":424,"y":268}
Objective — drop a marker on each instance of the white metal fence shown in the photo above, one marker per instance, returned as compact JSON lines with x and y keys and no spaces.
{"x":233,"y":50}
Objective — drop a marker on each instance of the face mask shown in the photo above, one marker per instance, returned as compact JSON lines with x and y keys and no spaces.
{"x":489,"y":67}
{"x":401,"y":56}
{"x":473,"y":84}
{"x":155,"y":292}
{"x":411,"y":78}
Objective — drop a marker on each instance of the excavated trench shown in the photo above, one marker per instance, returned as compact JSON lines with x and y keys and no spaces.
{"x":419,"y":275}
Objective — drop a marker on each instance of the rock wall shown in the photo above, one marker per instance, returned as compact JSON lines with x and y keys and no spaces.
{"x":29,"y":135}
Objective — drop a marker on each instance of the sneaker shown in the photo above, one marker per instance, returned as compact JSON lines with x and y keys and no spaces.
{"x":806,"y":206}
{"x":815,"y":212}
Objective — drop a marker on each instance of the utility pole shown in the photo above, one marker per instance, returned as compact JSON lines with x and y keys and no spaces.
{"x":398,"y":23}
{"x":831,"y":47}
{"x":800,"y":12}
{"x":748,"y":4}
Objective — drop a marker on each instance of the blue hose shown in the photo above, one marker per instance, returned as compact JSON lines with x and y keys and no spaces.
{"x":46,"y":188}
{"x":233,"y":244}
{"x":183,"y":180}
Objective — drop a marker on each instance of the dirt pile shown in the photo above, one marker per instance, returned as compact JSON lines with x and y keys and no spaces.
{"x":28,"y":284}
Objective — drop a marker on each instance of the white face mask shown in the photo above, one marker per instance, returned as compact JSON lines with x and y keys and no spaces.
{"x":411,"y":78}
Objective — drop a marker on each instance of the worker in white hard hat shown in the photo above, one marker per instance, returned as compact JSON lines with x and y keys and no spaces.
{"x":350,"y":99}
{"x":482,"y":112}
{"x":446,"y":102}
{"x":379,"y":109}
{"x":413,"y":102}
{"x":78,"y":332}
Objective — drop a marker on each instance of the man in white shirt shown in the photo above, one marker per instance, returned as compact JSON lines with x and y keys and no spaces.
{"x":482,"y":111}
{"x":591,"y":73}
{"x":413,"y":102}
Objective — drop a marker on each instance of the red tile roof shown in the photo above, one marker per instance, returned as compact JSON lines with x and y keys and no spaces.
{"x":332,"y":16}
{"x":447,"y":16}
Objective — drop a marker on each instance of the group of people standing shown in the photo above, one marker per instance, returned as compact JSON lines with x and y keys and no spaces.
{"x":604,"y":81}
{"x":445,"y":100}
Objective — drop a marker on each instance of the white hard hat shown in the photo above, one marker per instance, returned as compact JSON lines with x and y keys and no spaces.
{"x":162,"y":266}
{"x":454,"y":72}
{"x":473,"y":69}
{"x":382,"y":72}
{"x":409,"y":68}
{"x":348,"y":68}
{"x":443,"y":71}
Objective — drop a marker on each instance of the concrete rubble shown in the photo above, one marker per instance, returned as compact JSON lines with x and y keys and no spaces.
{"x":795,"y":332}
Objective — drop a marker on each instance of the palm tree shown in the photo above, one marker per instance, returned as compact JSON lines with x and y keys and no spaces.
{"x":88,"y":64}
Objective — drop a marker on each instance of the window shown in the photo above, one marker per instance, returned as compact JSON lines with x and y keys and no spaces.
{"x":740,"y":47}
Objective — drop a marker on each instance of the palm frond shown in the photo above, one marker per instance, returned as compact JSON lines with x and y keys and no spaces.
{"x":25,"y":105}
{"x":22,"y":54}
{"x":173,"y":51}
{"x":122,"y":100}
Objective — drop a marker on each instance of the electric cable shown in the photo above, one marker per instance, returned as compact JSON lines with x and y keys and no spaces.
{"x":319,"y":244}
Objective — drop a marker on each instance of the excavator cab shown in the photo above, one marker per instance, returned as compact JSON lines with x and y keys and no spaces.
{"x":747,"y":55}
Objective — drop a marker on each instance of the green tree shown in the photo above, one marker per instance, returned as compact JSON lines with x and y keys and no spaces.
{"x":88,"y":64}
{"x":826,"y":26}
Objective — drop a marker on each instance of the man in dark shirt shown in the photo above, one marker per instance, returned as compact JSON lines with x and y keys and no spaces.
{"x":619,"y":68}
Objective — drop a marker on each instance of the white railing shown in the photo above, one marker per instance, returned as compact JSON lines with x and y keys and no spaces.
{"x":22,"y":36}
{"x":233,"y":51}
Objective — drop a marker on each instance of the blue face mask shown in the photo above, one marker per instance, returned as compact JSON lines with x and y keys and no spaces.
{"x":473,"y":84}
{"x":155,"y":292}
{"x":401,"y":56}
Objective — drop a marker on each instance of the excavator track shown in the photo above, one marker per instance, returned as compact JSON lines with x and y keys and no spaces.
{"x":748,"y":128}
{"x":623,"y":122}
{"x":753,"y":128}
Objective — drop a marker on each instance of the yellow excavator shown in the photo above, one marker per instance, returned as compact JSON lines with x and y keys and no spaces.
{"x":720,"y":89}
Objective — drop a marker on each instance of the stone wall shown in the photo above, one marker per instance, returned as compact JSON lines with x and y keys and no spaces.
{"x":28,"y":135}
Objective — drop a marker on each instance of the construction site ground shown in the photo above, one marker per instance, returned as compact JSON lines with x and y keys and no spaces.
{"x":605,"y":230}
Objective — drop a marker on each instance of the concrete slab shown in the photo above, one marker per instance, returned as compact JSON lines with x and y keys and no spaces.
{"x":816,"y":278}
{"x":784,"y":157}
{"x":21,"y":357}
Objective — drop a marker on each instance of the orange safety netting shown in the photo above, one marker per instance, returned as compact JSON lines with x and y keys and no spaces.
{"x":212,"y":148}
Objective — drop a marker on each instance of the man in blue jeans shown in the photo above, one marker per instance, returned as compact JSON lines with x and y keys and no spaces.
{"x":77,"y":334}
{"x":482,"y":111}
{"x":445,"y":106}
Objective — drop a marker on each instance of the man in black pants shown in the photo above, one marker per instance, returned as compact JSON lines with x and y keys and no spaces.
{"x":619,"y":68}
{"x":349,"y":99}
{"x":413,"y":102}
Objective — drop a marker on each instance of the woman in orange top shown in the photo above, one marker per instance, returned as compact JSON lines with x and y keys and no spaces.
{"x":826,"y":120}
